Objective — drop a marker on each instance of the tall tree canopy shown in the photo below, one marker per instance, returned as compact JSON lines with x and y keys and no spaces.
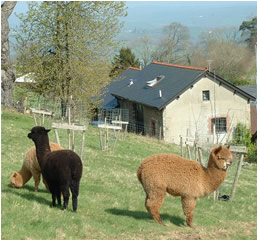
{"x":249,"y":28}
{"x":67,"y":45}
{"x":7,"y":72}
{"x":173,"y":48}
{"x":122,"y":61}
{"x":230,"y":59}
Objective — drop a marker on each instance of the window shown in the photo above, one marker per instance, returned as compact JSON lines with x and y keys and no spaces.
{"x":220,"y":125}
{"x":206,"y":95}
{"x":151,"y":83}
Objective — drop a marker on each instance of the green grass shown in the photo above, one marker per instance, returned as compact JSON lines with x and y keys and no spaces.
{"x":111,"y":200}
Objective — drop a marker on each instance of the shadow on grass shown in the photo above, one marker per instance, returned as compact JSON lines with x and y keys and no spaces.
{"x":31,"y":196}
{"x":31,"y":188}
{"x":145,"y":215}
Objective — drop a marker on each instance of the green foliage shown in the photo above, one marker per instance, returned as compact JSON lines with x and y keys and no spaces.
{"x":242,"y":136}
{"x":252,"y":153}
{"x":249,"y":28}
{"x":111,"y":200}
{"x":122,"y":61}
{"x":67,"y":45}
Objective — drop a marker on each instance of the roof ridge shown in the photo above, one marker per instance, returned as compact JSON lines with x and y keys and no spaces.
{"x":134,"y":68}
{"x":179,"y":66}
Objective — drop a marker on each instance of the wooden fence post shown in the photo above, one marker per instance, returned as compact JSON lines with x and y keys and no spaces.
{"x":82,"y":144}
{"x":200,"y":155}
{"x":236,"y":177}
{"x":188,"y":151}
{"x":57,"y":136}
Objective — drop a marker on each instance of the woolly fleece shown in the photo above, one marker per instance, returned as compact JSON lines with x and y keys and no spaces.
{"x":182,"y":177}
{"x":30,"y":167}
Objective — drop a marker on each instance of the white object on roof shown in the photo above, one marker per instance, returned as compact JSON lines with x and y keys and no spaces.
{"x":131,"y":82}
{"x":151,"y":83}
{"x":25,"y":79}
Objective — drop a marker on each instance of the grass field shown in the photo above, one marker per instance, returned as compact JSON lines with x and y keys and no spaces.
{"x":111,"y":200}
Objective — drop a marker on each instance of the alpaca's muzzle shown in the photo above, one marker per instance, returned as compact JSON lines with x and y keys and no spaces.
{"x":227,"y":163}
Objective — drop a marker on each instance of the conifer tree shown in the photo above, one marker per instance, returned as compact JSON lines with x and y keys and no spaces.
{"x":122,"y":61}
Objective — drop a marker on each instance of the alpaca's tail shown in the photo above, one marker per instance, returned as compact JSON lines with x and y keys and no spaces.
{"x":139,"y":174}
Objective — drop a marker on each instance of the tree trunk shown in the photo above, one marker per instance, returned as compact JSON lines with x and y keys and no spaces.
{"x":7,"y":73}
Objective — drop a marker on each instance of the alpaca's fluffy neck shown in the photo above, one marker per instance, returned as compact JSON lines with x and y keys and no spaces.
{"x":42,"y":149}
{"x":25,"y":175}
{"x":214,"y":178}
{"x":214,"y":175}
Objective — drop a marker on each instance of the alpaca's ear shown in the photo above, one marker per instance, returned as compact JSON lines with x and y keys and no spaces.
{"x":228,"y":146}
{"x":14,"y":174}
{"x":48,"y":130}
{"x":217,"y":150}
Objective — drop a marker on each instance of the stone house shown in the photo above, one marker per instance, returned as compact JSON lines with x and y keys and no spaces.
{"x":168,"y":101}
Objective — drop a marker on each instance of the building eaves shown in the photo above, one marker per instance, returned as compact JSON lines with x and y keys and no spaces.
{"x":236,"y":89}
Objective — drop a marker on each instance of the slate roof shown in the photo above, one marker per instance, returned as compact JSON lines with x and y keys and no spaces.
{"x":177,"y":79}
{"x":250,"y":89}
{"x":109,"y":101}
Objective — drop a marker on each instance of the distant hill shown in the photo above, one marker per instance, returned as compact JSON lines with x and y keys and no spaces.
{"x":148,"y":18}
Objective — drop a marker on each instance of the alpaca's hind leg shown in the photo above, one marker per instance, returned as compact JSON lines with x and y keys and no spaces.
{"x":75,"y":193}
{"x":188,"y":205}
{"x":153,"y":203}
{"x":59,"y":198}
{"x":36,"y":177}
{"x":66,"y":195}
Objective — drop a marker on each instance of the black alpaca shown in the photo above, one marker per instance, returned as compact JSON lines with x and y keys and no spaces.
{"x":62,"y":169}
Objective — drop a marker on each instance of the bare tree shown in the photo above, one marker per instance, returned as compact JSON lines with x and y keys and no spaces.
{"x":144,"y":47}
{"x":231,"y":59}
{"x":7,"y":73}
{"x":173,"y":47}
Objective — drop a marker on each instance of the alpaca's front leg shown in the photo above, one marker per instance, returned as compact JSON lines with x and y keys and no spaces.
{"x":188,"y":205}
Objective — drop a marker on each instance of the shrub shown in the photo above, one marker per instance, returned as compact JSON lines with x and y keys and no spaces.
{"x":252,"y":153}
{"x":242,"y":136}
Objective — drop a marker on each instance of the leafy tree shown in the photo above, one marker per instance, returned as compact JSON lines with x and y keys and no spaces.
{"x":122,"y":61}
{"x":230,"y":59}
{"x":67,"y":45}
{"x":249,"y":29}
{"x":7,"y":72}
{"x":173,"y":48}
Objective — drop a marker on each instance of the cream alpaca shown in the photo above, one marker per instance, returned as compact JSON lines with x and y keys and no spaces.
{"x":30,"y":167}
{"x":178,"y":176}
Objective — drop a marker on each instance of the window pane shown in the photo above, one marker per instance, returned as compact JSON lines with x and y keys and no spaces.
{"x":220,"y":123}
{"x":206,"y":95}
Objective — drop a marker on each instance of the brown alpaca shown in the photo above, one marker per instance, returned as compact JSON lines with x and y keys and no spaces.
{"x":30,"y":167}
{"x":179,"y":176}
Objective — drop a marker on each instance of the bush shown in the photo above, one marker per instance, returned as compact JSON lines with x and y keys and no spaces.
{"x":252,"y":153}
{"x":242,"y":136}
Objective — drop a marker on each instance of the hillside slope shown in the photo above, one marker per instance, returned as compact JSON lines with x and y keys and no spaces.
{"x":111,"y":200}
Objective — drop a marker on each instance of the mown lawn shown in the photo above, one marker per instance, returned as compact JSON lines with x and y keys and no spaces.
{"x":111,"y":200}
